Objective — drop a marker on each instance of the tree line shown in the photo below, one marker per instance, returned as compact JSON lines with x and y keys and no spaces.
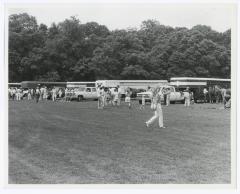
{"x":73,"y":51}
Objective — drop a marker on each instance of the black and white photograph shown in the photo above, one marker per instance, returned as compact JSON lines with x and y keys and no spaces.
{"x":124,"y":93}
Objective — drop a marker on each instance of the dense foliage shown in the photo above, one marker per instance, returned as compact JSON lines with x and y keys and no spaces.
{"x":71,"y":51}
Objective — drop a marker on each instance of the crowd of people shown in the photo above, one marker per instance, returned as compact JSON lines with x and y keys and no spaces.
{"x":215,"y":94}
{"x":38,"y":93}
{"x":112,"y":96}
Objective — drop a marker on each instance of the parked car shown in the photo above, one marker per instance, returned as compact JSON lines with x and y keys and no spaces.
{"x":175,"y":96}
{"x":85,"y":93}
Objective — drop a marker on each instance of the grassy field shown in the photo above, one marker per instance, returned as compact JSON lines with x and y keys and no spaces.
{"x":61,"y":142}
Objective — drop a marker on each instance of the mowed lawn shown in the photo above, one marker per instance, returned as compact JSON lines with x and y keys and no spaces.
{"x":74,"y":142}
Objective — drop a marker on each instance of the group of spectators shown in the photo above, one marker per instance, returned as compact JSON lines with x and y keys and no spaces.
{"x":112,"y":96}
{"x":38,"y":93}
{"x":215,"y":94}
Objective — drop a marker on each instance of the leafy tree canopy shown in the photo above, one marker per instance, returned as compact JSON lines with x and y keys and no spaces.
{"x":72,"y":51}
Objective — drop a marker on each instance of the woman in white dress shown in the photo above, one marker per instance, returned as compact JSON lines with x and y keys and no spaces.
{"x":157,"y":107}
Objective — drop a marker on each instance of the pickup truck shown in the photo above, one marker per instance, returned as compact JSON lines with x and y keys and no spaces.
{"x":175,"y":96}
{"x":85,"y":93}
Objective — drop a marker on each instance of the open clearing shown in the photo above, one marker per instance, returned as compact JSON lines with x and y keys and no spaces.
{"x":74,"y":142}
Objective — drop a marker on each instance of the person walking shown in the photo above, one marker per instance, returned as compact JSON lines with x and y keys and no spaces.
{"x":157,"y":107}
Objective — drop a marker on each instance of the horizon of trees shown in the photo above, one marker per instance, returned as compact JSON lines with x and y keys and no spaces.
{"x":72,"y":51}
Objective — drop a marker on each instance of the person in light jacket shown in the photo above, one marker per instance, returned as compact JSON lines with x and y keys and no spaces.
{"x":157,"y":107}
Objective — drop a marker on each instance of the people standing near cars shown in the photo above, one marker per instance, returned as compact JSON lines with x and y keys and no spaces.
{"x":223,"y":93}
{"x":205,"y":93}
{"x":45,"y":93}
{"x":10,"y":90}
{"x":100,"y":94}
{"x":128,"y":97}
{"x":119,"y":95}
{"x":41,"y":93}
{"x":108,"y":96}
{"x":227,"y":97}
{"x":187,"y":97}
{"x":167,"y":93}
{"x":9,"y":93}
{"x":29,"y":97}
{"x":165,"y":97}
{"x":67,"y":95}
{"x":32,"y":92}
{"x":211,"y":94}
{"x":18,"y":94}
{"x":116,"y":97}
{"x":37,"y":94}
{"x":60,"y":93}
{"x":54,"y":94}
{"x":143,"y":103}
{"x":157,"y":108}
{"x":191,"y":97}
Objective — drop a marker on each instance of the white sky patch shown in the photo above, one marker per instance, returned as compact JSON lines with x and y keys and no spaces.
{"x":123,"y":16}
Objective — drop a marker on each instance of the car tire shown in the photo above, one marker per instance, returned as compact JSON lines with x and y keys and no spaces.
{"x":80,"y":98}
